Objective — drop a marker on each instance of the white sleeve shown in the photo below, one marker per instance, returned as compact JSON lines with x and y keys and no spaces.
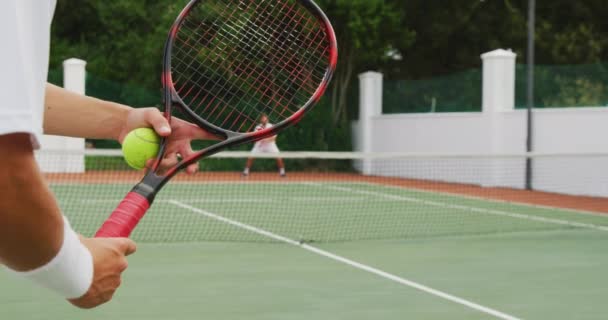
{"x":25,"y":31}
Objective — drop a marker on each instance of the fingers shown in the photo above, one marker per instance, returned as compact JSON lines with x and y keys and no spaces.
{"x":192,"y":131}
{"x":150,"y":163}
{"x":173,"y":158}
{"x":124,"y":246}
{"x":109,"y":258}
{"x":127,"y":246}
{"x":192,"y":169}
{"x":201,"y":134}
{"x":169,"y":160}
{"x":156,"y":119}
{"x":186,"y":151}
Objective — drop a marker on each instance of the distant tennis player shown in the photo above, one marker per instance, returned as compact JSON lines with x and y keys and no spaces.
{"x":268,"y":145}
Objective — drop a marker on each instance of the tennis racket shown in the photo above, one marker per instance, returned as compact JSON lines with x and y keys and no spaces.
{"x":225,"y":63}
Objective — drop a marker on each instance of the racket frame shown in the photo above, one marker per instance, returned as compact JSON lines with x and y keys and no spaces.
{"x":142,"y":195}
{"x":153,"y":182}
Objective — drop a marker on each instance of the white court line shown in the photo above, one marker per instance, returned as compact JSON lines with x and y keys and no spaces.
{"x":481,"y":198}
{"x":325,"y":199}
{"x":352,"y":263}
{"x":469,"y":208}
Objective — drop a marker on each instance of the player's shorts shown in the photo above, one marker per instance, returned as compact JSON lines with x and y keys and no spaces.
{"x":265,"y":148}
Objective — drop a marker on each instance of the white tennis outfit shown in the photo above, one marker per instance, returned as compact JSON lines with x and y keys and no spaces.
{"x":25,"y":29}
{"x":264,"y":146}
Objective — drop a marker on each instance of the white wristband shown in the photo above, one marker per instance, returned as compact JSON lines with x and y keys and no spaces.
{"x":70,"y":273}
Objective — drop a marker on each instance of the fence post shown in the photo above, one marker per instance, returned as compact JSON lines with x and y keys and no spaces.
{"x":370,"y":105}
{"x":498,"y":81}
{"x":67,"y":153}
{"x":74,"y":75}
{"x":498,"y":98}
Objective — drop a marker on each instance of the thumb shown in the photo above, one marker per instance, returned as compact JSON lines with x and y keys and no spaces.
{"x":160,"y":124}
{"x":126,"y":246}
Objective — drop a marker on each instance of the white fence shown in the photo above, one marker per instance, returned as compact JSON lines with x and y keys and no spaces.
{"x":498,"y":129}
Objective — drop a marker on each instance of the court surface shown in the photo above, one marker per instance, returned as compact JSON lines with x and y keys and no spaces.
{"x":337,"y":250}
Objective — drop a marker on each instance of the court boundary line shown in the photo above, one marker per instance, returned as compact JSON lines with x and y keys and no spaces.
{"x":349,"y":262}
{"x":470,"y":208}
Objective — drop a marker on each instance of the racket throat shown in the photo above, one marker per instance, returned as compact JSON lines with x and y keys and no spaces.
{"x":149,"y":186}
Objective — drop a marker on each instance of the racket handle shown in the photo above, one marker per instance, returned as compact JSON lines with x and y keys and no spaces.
{"x":125,"y":217}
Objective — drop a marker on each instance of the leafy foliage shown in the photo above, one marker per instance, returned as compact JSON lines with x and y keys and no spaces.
{"x":367,"y":31}
{"x":409,"y":40}
{"x":121,"y":40}
{"x":565,"y":86}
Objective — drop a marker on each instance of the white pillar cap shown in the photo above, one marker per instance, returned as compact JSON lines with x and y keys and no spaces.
{"x":370,"y":74}
{"x":499,"y":53}
{"x":74,"y":61}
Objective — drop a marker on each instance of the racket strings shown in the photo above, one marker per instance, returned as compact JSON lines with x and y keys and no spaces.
{"x":234,"y":60}
{"x":294,"y":71}
{"x":215,"y":87}
{"x":211,"y":101}
{"x":273,"y":96}
{"x":258,"y":34}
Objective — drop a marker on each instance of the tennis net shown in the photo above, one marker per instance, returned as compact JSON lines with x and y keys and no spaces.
{"x":329,"y":197}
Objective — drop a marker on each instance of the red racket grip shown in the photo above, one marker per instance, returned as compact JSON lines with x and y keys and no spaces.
{"x":125,"y":217}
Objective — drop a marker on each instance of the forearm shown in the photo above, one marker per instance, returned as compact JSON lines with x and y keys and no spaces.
{"x":31,"y":225}
{"x":70,"y":114}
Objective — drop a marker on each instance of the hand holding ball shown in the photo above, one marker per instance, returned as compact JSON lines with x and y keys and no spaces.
{"x":139,"y":146}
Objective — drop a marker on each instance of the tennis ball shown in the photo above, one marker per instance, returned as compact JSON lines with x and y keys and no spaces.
{"x":139,"y":146}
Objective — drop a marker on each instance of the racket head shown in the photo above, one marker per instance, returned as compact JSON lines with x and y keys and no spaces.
{"x":273,"y":57}
{"x":226,"y":62}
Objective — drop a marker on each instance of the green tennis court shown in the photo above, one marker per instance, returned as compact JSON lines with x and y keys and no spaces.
{"x":301,"y":248}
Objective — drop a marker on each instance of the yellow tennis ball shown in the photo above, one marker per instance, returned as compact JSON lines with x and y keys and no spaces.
{"x":139,"y":146}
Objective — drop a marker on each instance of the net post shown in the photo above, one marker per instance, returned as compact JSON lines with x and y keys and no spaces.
{"x":530,"y":91}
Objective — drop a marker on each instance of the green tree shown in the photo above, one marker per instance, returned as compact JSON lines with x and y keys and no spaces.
{"x":451,"y":34}
{"x":367,"y":31}
{"x":121,"y":40}
{"x":572,"y":32}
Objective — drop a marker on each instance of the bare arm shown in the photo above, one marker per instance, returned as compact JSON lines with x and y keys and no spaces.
{"x":70,"y":114}
{"x":31,"y":227}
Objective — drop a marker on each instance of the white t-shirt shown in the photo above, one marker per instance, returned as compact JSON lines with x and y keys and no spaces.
{"x":267,"y":140}
{"x":25,"y":30}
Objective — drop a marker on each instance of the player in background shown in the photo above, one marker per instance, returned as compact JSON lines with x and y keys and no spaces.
{"x":36,"y":240}
{"x":268,"y":145}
